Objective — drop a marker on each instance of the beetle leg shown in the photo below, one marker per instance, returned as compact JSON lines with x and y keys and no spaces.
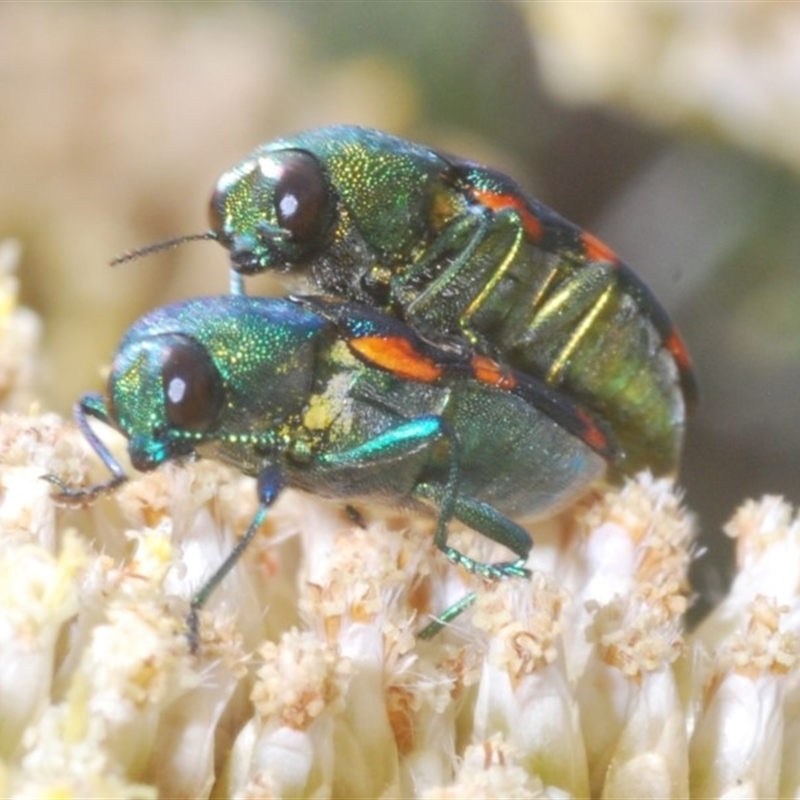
{"x":487,"y":246}
{"x":236,"y":282}
{"x":413,"y":436}
{"x":398,"y":442}
{"x":488,"y":521}
{"x":484,"y":519}
{"x":90,"y":405}
{"x":447,"y":616}
{"x":461,"y":236}
{"x":268,"y":485}
{"x":573,"y":308}
{"x":418,"y":434}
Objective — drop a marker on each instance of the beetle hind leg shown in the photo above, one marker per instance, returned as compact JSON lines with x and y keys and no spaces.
{"x":488,"y":521}
{"x":484,"y":519}
{"x":447,"y":616}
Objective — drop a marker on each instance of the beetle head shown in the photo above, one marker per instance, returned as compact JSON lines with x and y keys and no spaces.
{"x":166,"y":395}
{"x":274,"y":210}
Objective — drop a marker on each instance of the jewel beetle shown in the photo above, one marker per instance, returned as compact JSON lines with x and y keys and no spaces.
{"x":463,"y":254}
{"x":338,"y":399}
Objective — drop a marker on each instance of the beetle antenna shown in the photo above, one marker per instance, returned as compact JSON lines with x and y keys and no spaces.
{"x":156,"y":247}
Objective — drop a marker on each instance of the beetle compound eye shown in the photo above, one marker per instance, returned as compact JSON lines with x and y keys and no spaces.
{"x":303,"y":203}
{"x":193,"y":393}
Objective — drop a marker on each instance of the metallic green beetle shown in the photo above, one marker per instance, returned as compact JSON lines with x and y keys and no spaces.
{"x":464,"y":255}
{"x":345,"y":402}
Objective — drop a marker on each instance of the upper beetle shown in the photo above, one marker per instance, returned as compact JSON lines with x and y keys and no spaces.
{"x":469,"y":259}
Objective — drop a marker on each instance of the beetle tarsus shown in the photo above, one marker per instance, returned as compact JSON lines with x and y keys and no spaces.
{"x":84,"y":495}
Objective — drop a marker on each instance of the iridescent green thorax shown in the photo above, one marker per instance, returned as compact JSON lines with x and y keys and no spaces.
{"x":383,"y":189}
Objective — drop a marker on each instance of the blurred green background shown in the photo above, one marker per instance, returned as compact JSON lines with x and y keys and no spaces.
{"x":668,"y":129}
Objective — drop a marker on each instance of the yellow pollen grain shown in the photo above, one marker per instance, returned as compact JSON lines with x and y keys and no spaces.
{"x":318,"y":415}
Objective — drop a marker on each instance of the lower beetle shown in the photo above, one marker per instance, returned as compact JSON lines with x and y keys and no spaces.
{"x":340,"y":400}
{"x":464,"y":254}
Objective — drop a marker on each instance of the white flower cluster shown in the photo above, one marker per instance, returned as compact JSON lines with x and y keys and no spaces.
{"x":310,"y":680}
{"x":581,"y":682}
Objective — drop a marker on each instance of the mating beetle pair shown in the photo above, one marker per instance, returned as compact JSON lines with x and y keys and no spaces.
{"x":387,"y":388}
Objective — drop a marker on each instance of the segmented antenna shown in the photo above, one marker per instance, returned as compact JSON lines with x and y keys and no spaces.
{"x":156,"y":247}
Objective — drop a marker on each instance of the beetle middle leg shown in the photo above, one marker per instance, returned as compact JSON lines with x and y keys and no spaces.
{"x":268,"y":485}
{"x":416,"y":436}
{"x":491,"y":523}
{"x":422,"y":433}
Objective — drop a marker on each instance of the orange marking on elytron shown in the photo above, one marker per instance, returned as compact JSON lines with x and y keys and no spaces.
{"x":498,"y":202}
{"x":592,"y":435}
{"x":488,"y":371}
{"x":398,"y":356}
{"x":597,"y":250}
{"x":677,"y":348}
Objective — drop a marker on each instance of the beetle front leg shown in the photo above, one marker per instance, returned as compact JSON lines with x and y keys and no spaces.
{"x":236,"y":283}
{"x":90,"y":405}
{"x":486,"y":245}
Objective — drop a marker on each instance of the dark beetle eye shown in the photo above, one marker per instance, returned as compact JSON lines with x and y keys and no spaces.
{"x":193,"y":394}
{"x":303,"y":204}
